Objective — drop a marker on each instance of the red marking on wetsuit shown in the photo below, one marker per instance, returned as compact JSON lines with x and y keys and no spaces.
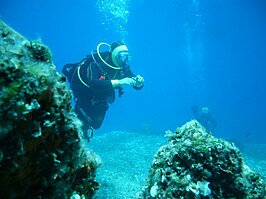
{"x":102,"y":77}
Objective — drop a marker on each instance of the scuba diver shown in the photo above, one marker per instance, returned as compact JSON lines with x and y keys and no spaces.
{"x":94,"y":80}
{"x":204,"y":117}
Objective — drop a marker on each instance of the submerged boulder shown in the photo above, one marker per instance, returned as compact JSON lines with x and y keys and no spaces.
{"x":194,"y":164}
{"x":42,"y":150}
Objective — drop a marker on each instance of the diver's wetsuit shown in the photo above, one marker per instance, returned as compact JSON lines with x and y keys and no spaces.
{"x":92,"y":100}
{"x":206,"y":119}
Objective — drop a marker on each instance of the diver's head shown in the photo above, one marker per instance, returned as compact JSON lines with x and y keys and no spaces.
{"x":205,"y":110}
{"x":120,"y":54}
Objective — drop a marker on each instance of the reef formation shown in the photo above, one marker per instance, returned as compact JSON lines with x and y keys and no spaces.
{"x":42,"y":149}
{"x":194,"y":164}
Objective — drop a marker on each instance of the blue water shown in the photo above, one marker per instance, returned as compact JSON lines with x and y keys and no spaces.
{"x":190,"y":52}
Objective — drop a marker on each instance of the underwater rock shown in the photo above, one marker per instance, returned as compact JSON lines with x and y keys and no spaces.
{"x":42,"y":150}
{"x":194,"y":164}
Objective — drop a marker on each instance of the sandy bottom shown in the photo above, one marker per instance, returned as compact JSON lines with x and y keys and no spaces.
{"x":126,"y":158}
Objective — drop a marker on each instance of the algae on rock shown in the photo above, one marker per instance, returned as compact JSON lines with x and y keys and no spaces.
{"x":194,"y":164}
{"x":42,"y":150}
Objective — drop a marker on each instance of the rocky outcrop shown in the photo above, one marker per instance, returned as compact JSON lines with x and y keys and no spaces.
{"x":194,"y":164}
{"x":42,"y":150}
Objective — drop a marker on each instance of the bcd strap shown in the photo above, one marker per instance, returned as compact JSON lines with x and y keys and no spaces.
{"x":69,"y":69}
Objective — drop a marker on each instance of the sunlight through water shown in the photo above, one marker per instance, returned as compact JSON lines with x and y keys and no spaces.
{"x":194,"y":29}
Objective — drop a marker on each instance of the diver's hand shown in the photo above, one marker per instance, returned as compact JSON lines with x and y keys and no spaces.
{"x":139,"y":81}
{"x":127,"y":81}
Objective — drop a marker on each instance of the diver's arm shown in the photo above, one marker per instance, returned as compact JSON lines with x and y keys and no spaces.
{"x":122,"y":82}
{"x":102,"y":88}
{"x":115,"y":83}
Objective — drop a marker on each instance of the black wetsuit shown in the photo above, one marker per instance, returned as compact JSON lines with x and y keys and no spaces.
{"x":93,"y":97}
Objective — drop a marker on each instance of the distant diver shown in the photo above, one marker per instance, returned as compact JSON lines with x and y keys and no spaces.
{"x":94,"y":80}
{"x":204,"y":117}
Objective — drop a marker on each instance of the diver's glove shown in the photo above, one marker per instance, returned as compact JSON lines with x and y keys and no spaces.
{"x":139,"y":81}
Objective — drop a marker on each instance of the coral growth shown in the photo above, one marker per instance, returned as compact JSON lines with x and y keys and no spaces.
{"x":42,"y":151}
{"x":194,"y":164}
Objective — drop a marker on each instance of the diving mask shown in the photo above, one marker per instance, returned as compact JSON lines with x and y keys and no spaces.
{"x":120,"y":56}
{"x":124,"y":57}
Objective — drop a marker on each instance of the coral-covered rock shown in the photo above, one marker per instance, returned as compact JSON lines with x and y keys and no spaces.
{"x":42,"y":150}
{"x":194,"y":164}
